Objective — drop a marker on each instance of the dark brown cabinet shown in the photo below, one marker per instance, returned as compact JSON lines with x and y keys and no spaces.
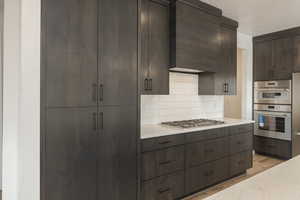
{"x":162,"y":162}
{"x":195,"y":31}
{"x":167,"y":187}
{"x":240,"y":162}
{"x":274,"y":147}
{"x":282,"y":59}
{"x":262,"y":61}
{"x":155,"y":45}
{"x":297,"y":54}
{"x":179,"y":165}
{"x":69,"y":54}
{"x":71,"y":145}
{"x":117,"y":151}
{"x":276,"y":55}
{"x":117,"y":55}
{"x":89,"y":100}
{"x":205,"y":175}
{"x":201,"y":152}
{"x":227,"y":72}
{"x":222,"y":81}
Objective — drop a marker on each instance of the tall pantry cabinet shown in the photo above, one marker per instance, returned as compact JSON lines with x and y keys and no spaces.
{"x":89,"y":100}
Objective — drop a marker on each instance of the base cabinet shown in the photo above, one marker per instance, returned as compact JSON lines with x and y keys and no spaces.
{"x":179,"y":165}
{"x":205,"y":175}
{"x":273,"y":147}
{"x":240,"y":162}
{"x":167,"y":187}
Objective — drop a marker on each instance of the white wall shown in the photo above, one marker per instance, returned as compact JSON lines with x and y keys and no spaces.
{"x":21,"y":158}
{"x":11,"y":77}
{"x":182,"y":103}
{"x":1,"y":86}
{"x":29,"y":124}
{"x":245,"y":43}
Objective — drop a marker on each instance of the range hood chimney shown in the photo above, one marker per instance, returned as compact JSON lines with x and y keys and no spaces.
{"x":194,"y":36}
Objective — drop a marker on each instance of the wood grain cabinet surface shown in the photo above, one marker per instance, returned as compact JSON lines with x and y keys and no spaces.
{"x":89,"y":100}
{"x":155,"y":47}
{"x":203,"y":158}
{"x":195,"y":41}
{"x":276,"y":55}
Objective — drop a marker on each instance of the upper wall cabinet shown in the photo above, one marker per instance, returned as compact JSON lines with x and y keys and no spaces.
{"x":262,"y":60}
{"x":277,"y":55}
{"x":223,"y":81}
{"x":297,"y":54}
{"x":155,"y":47}
{"x":195,"y":35}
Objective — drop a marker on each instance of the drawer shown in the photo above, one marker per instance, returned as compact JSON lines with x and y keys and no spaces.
{"x":168,"y":187}
{"x":240,"y":162}
{"x":234,"y":130}
{"x":278,"y":148}
{"x":206,"y":135}
{"x":205,"y":175}
{"x":241,"y":142}
{"x":162,"y":162}
{"x":205,"y":151}
{"x":161,"y":142}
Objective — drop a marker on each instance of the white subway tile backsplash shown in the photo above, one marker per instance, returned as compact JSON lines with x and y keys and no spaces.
{"x":182,"y":103}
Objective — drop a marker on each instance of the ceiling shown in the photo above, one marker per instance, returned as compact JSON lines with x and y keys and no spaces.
{"x":258,"y":17}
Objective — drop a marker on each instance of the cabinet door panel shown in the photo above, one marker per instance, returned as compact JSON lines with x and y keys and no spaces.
{"x":70,"y":52}
{"x":117,"y":147}
{"x":205,"y":175}
{"x":227,"y":71}
{"x":282,"y":58}
{"x":262,"y":60}
{"x":164,"y":188}
{"x":118,"y":52}
{"x":198,"y":153}
{"x":297,"y":54}
{"x":155,"y":47}
{"x":70,"y":154}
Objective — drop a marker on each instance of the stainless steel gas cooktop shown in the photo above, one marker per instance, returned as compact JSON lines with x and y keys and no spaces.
{"x":193,"y":123}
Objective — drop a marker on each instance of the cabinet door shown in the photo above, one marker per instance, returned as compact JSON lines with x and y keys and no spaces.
{"x":70,"y":52}
{"x":227,"y":71}
{"x":117,"y":147}
{"x":70,"y":159}
{"x":155,"y":47}
{"x":297,"y":54}
{"x":118,"y":52}
{"x":282,"y":59}
{"x":262,"y":60}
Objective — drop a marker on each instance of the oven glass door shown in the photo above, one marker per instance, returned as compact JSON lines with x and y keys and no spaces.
{"x":273,"y":124}
{"x":279,"y":96}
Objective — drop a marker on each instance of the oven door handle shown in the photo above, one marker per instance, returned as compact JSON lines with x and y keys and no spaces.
{"x":283,"y":115}
{"x":271,"y":89}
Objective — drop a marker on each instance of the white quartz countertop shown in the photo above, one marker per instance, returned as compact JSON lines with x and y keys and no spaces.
{"x":158,"y":130}
{"x":278,"y":183}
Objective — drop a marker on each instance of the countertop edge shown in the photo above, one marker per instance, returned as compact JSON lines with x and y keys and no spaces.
{"x":170,"y":131}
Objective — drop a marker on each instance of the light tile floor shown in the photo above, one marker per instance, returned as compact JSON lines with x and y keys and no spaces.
{"x":260,"y":164}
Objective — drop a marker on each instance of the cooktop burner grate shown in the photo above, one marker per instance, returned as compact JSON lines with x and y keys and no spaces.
{"x":193,"y":123}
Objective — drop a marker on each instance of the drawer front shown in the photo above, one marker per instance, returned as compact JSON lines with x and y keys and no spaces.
{"x":162,"y":162}
{"x":168,"y":187}
{"x":240,"y":162}
{"x":205,"y":151}
{"x":161,"y":142}
{"x":241,"y":142}
{"x":279,"y":148}
{"x":205,"y":175}
{"x":234,"y":130}
{"x":206,"y":135}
